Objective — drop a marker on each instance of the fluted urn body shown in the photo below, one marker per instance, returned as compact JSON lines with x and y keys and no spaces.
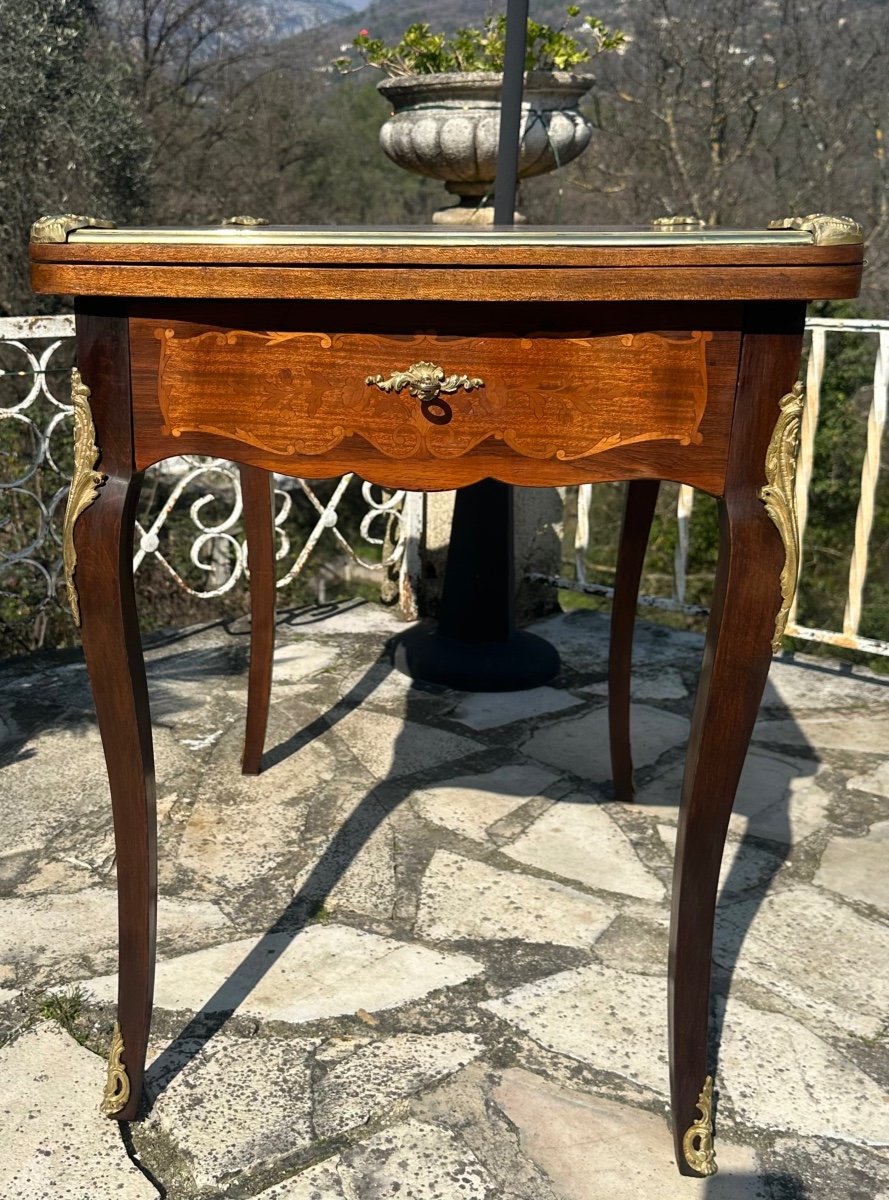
{"x":448,"y":127}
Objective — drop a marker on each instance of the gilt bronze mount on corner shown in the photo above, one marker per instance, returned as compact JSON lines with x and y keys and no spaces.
{"x":697,"y":1144}
{"x":779,"y":497}
{"x":56,"y":227}
{"x":117,"y":1085}
{"x":85,"y":483}
{"x":826,"y":229}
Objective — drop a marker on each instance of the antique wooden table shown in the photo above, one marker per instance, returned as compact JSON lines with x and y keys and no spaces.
{"x":425,"y":360}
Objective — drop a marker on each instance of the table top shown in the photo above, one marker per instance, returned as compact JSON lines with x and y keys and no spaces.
{"x":817,"y":257}
{"x":421,"y":235}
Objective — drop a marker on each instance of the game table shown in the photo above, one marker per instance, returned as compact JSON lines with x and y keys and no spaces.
{"x":430,"y":360}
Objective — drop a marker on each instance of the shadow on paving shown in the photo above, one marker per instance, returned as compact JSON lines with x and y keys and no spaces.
{"x":780,"y":1185}
{"x":41,"y":710}
{"x":368,"y":813}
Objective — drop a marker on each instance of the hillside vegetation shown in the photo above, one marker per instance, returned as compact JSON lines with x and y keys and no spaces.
{"x":188,"y":111}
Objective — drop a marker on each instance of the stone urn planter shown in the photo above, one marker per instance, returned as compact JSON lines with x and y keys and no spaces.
{"x":448,"y":126}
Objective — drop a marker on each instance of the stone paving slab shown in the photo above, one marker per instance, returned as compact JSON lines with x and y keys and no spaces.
{"x":464,"y":1104}
{"x":610,"y":1019}
{"x":864,"y":732}
{"x":360,"y":876}
{"x":858,"y":868}
{"x":417,"y":1162}
{"x":595,"y":1149}
{"x":322,"y":1182}
{"x":414,"y":1161}
{"x":294,"y":662}
{"x":743,"y":866}
{"x":802,"y":682}
{"x":59,"y":778}
{"x":56,"y":932}
{"x":489,"y":710}
{"x":378,"y":685}
{"x":667,"y":684}
{"x":222,"y":846}
{"x":580,"y":744}
{"x":389,"y":747}
{"x":875,"y":781}
{"x":816,"y":952}
{"x":578,"y":839}
{"x":778,"y":1074}
{"x":779,"y":798}
{"x":383,"y":1072}
{"x":55,"y":1142}
{"x":462,"y":898}
{"x":828,"y":1169}
{"x":325,"y":971}
{"x":470,"y":805}
{"x":581,"y":638}
{"x":486,"y":1062}
{"x":233,"y":1104}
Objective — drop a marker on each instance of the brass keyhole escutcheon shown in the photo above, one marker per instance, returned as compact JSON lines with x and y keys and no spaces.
{"x":426,"y":381}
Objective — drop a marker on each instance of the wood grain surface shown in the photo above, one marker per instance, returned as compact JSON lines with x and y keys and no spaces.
{"x":608,"y":281}
{"x":639,"y":509}
{"x":305,"y":393}
{"x":257,"y":494}
{"x":274,"y":387}
{"x":508,"y":254}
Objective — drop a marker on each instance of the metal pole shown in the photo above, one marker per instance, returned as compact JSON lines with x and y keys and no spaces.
{"x":511,"y":111}
{"x":476,"y":646}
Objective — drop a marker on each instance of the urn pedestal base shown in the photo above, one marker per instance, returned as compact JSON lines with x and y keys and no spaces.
{"x":470,"y":212}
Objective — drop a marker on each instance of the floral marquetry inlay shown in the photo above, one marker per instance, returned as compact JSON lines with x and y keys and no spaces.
{"x":545,"y":397}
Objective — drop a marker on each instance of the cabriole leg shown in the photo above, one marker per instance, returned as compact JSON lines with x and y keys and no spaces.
{"x":638,"y":514}
{"x":258,"y":497}
{"x":756,"y":574}
{"x":111,"y":644}
{"x":98,"y":553}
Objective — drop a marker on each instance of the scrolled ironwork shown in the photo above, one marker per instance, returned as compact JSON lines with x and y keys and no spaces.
{"x":36,"y":421}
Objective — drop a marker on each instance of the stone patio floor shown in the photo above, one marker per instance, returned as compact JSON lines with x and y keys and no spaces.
{"x":423,"y":955}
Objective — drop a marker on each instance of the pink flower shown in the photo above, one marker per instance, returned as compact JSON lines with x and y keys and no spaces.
{"x":363,"y":33}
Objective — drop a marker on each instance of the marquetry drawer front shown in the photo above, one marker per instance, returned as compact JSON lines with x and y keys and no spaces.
{"x":425,"y":398}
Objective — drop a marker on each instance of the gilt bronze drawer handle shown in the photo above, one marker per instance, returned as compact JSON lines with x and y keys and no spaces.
{"x":426,"y":382}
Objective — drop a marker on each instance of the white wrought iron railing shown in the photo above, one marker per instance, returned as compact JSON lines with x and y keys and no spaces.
{"x":849,"y":637}
{"x":37,"y":357}
{"x":870,"y":470}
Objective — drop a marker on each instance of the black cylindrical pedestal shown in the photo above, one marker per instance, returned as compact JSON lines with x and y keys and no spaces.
{"x":475,"y":646}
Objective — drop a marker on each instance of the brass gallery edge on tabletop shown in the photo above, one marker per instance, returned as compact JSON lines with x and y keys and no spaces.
{"x":427,"y":360}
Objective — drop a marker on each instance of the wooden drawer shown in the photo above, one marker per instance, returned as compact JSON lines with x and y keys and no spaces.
{"x":312,"y":402}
